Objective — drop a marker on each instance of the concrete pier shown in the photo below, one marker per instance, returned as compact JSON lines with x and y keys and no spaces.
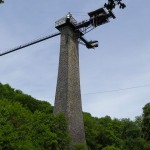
{"x":68,"y":95}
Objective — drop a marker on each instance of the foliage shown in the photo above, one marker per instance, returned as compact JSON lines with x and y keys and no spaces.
{"x":27,"y":123}
{"x":147,"y":146}
{"x":1,"y":1}
{"x":106,"y":133}
{"x":110,"y":148}
{"x":146,"y":122}
{"x":111,"y":4}
{"x":80,"y":147}
{"x":27,"y":101}
{"x":15,"y":126}
{"x":23,"y":126}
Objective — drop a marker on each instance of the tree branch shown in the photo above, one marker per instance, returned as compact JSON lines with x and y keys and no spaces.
{"x":1,"y":1}
{"x":113,"y":3}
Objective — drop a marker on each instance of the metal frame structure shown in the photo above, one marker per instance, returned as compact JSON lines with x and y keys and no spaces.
{"x":97,"y":18}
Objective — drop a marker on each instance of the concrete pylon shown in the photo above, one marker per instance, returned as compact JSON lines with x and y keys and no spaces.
{"x":68,"y":96}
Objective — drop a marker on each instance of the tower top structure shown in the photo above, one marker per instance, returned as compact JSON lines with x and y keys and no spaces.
{"x":67,"y":20}
{"x":97,"y":17}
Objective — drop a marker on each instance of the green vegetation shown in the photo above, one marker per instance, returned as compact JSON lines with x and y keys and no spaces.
{"x":29,"y":124}
{"x":115,"y":134}
{"x":80,"y":147}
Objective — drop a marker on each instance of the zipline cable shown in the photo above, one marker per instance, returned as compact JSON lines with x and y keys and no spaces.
{"x":114,"y":90}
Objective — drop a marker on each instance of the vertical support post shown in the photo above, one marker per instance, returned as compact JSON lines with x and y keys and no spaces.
{"x":68,"y":96}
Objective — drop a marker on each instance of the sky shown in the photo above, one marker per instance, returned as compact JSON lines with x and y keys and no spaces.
{"x":115,"y":77}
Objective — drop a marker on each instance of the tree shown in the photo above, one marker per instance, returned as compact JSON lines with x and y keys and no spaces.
{"x":15,"y":124}
{"x":21,"y":129}
{"x":27,"y":101}
{"x":111,"y":4}
{"x":27,"y":123}
{"x":146,"y":122}
{"x":91,"y":128}
{"x":108,"y":134}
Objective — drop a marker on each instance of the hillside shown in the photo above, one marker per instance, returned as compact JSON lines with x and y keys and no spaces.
{"x":29,"y":124}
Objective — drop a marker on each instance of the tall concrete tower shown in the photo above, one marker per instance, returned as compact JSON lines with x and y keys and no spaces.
{"x":68,"y":96}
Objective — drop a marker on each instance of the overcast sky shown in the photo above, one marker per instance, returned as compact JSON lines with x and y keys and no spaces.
{"x":121,"y":61}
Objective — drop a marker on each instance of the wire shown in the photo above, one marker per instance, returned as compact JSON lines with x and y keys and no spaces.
{"x":117,"y":90}
{"x":107,"y":91}
{"x":30,"y":43}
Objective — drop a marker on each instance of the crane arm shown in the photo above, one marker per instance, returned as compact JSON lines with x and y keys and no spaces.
{"x":30,"y":43}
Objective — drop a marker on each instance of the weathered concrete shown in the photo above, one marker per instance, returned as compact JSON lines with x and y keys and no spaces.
{"x":68,"y":96}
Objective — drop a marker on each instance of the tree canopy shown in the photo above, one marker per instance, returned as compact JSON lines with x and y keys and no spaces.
{"x":146,"y":122}
{"x":28,"y":123}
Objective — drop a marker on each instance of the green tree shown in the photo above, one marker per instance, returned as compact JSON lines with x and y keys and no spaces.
{"x":107,"y":133}
{"x":6,"y":91}
{"x":15,"y":125}
{"x":21,"y":129}
{"x":27,"y":123}
{"x":26,"y":100}
{"x":146,"y":122}
{"x":101,"y":132}
{"x":32,"y":104}
{"x":80,"y":147}
{"x":91,"y":128}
